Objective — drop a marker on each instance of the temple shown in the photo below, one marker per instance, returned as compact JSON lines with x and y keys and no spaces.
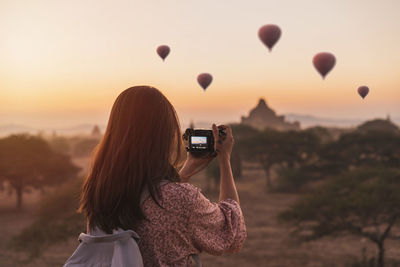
{"x":263,"y":116}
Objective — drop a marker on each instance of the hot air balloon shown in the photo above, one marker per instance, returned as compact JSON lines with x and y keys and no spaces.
{"x":163,"y":51}
{"x":204,"y":79}
{"x":324,"y":62}
{"x":269,"y":34}
{"x":363,"y":91}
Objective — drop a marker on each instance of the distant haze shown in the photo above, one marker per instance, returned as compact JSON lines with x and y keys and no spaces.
{"x":84,"y":129}
{"x":63,"y":63}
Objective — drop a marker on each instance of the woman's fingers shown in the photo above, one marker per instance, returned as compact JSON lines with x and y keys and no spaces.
{"x":215,"y":130}
{"x":228,"y":131}
{"x":216,"y":136}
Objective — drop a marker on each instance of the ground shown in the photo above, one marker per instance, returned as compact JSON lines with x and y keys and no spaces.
{"x":268,"y":242}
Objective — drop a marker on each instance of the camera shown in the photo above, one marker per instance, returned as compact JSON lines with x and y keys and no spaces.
{"x":200,"y":142}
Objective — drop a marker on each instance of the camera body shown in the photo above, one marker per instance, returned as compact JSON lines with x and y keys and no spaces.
{"x":200,"y":142}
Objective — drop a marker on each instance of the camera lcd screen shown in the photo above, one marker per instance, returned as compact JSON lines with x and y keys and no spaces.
{"x":198,"y":142}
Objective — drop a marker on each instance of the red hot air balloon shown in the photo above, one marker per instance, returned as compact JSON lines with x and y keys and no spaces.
{"x":363,"y":91}
{"x":324,"y":62}
{"x":204,"y":79}
{"x":163,"y":51}
{"x":269,"y":34}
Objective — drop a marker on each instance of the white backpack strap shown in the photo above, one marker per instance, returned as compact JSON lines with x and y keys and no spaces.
{"x":108,"y":238}
{"x":119,"y":249}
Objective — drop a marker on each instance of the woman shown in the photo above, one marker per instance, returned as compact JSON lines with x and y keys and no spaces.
{"x":134,"y":184}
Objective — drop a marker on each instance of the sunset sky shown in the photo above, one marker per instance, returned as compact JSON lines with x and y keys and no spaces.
{"x":64,"y":62}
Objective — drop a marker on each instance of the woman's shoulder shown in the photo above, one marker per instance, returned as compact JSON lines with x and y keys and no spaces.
{"x":184,"y":191}
{"x":176,"y":198}
{"x":175,"y":192}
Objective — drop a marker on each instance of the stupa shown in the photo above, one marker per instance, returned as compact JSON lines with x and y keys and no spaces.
{"x":262,"y":116}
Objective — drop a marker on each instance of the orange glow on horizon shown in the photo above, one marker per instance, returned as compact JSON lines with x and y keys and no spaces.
{"x":71,"y":60}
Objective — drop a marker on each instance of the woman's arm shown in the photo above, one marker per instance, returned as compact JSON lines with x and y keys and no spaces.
{"x":219,"y":228}
{"x":223,"y":147}
{"x":227,"y":187}
{"x":192,"y":166}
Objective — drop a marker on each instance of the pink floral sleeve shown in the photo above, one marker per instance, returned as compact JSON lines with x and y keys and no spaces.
{"x":186,"y":224}
{"x":216,"y":228}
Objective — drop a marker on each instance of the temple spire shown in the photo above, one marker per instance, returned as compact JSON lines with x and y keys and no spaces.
{"x":263,"y":116}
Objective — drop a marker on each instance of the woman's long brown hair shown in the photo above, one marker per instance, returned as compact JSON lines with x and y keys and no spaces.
{"x":141,"y":146}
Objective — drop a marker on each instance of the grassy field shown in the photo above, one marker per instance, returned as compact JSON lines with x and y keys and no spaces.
{"x":268,"y":242}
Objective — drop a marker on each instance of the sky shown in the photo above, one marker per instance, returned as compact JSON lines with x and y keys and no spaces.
{"x":64,"y":62}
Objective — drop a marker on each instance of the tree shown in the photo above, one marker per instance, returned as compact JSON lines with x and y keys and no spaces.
{"x":289,"y":149}
{"x":29,"y":162}
{"x":352,"y":150}
{"x":240,"y":132}
{"x":379,"y":125}
{"x":323,"y":133}
{"x":96,"y":132}
{"x":362,"y":202}
{"x":260,"y":147}
{"x":296,"y":148}
{"x":56,"y":220}
{"x":212,"y":174}
{"x":360,"y":148}
{"x":85,"y":147}
{"x":212,"y":171}
{"x":60,"y":144}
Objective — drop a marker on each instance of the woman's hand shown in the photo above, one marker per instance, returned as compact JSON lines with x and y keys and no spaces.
{"x":223,"y":144}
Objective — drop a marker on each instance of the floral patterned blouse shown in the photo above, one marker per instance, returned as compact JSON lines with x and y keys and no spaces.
{"x":188,"y":224}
